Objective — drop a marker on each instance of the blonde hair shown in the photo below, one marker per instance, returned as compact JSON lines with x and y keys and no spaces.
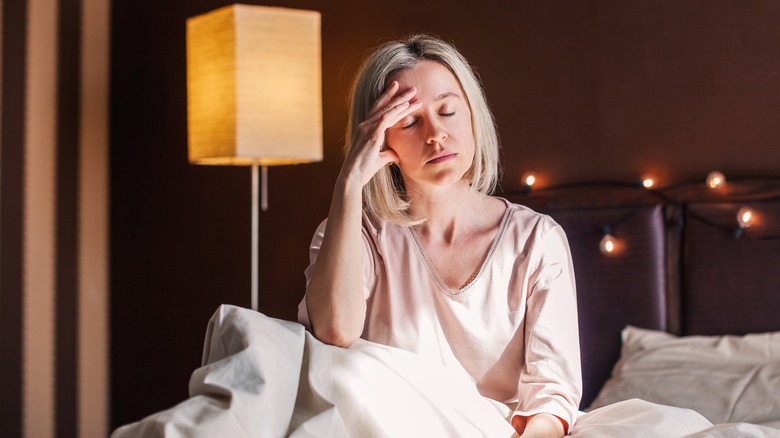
{"x":384,"y":196}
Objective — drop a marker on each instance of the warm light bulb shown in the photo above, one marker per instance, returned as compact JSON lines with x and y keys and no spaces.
{"x":746,"y":217}
{"x":608,"y":244}
{"x":648,"y":183}
{"x":716,"y":180}
{"x":529,"y":179}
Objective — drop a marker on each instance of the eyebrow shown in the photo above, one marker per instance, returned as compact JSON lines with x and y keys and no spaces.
{"x":447,"y":94}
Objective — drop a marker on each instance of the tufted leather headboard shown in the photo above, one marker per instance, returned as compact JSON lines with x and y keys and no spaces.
{"x":731,"y":285}
{"x":679,"y":266}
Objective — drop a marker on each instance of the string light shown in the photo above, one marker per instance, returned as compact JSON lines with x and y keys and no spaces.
{"x":528,"y":179}
{"x":608,"y":243}
{"x":716,"y":180}
{"x":746,"y":217}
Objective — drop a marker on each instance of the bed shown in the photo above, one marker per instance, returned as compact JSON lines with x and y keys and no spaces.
{"x":685,"y":269}
{"x":679,"y":334}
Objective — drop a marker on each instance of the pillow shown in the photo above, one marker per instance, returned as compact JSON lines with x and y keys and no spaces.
{"x":727,"y":379}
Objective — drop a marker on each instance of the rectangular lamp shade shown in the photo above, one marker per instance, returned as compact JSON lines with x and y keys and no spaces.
{"x":254,"y":86}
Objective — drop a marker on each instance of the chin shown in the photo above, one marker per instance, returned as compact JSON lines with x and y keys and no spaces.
{"x":452,"y":179}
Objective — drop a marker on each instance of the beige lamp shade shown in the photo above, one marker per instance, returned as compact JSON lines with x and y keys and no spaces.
{"x":254,"y":86}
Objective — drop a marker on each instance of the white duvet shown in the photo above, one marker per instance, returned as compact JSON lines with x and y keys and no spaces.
{"x":264,"y":377}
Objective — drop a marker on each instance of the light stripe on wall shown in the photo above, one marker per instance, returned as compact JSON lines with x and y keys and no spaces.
{"x":39,"y":221}
{"x":93,"y":328}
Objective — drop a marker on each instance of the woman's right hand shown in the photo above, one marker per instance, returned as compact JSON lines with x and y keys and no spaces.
{"x":334,"y":296}
{"x":366,"y":154}
{"x":335,"y":299}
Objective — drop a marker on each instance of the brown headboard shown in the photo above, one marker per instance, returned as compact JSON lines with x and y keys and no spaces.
{"x":682,"y":264}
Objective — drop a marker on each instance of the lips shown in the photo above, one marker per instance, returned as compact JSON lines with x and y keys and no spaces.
{"x":442,"y":158}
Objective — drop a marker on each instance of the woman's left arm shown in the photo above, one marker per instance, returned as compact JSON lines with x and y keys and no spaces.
{"x":550,"y":384}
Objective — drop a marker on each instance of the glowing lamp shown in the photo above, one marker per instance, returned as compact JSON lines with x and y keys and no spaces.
{"x":254,"y":94}
{"x":648,"y":183}
{"x":254,"y":86}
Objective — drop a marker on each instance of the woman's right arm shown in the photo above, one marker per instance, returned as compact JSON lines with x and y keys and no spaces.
{"x":334,"y":295}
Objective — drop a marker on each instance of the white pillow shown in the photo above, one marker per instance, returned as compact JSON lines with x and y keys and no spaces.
{"x":727,"y":379}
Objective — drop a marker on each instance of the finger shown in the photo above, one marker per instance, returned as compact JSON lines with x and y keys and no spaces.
{"x":387,"y":156}
{"x":389,"y":117}
{"x":397,"y":113}
{"x":399,"y":98}
{"x":385,"y":97}
{"x":388,"y":102}
{"x":375,"y":121}
{"x":373,"y":130}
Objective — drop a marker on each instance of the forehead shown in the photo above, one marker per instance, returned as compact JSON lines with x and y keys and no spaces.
{"x":431,"y":79}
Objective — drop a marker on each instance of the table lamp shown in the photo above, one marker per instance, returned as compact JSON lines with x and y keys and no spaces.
{"x":254,"y":94}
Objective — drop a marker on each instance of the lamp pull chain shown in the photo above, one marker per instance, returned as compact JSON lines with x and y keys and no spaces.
{"x":264,"y":188}
{"x":255,"y":232}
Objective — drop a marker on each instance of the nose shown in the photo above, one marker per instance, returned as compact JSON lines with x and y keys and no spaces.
{"x":435,"y":133}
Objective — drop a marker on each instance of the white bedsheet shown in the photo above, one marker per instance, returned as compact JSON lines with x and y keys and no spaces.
{"x":264,"y":377}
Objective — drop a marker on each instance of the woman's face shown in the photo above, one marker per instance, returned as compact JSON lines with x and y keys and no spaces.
{"x":435,"y":144}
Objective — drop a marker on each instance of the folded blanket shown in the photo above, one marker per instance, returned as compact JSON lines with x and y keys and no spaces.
{"x":264,"y":377}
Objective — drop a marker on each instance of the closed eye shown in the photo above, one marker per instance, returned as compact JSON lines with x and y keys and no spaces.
{"x":414,"y":121}
{"x":410,"y":124}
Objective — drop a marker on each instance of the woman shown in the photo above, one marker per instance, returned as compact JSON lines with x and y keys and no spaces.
{"x":416,"y":254}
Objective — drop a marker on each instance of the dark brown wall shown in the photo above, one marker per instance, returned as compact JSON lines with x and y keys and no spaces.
{"x":581,"y":90}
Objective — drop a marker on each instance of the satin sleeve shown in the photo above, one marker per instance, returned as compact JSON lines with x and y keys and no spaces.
{"x":368,"y":250}
{"x":551,"y":379}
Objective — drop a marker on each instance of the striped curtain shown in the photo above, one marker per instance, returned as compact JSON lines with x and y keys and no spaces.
{"x":54,"y":218}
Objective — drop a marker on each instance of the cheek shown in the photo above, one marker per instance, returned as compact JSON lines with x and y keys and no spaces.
{"x":466,"y":132}
{"x":394,"y":136}
{"x":391,"y":137}
{"x":399,"y":141}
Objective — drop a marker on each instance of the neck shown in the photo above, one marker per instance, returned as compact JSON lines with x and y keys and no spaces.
{"x":451,"y":212}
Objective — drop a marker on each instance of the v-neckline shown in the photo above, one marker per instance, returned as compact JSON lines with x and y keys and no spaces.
{"x":482,"y":267}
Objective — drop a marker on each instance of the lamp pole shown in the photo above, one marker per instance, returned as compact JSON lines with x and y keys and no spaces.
{"x":256,"y":171}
